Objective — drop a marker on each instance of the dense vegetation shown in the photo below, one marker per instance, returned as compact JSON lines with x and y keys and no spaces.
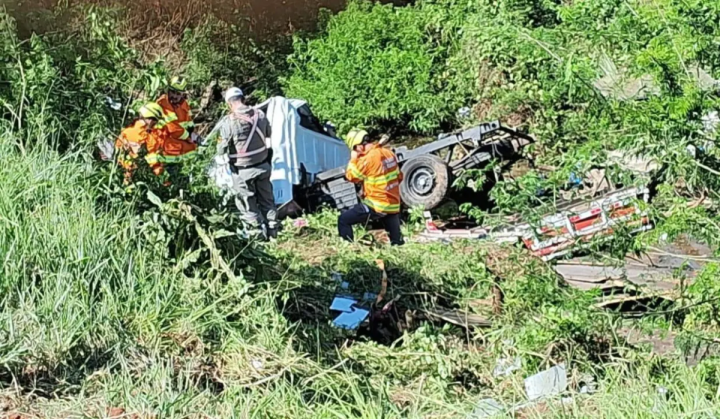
{"x":148,"y":300}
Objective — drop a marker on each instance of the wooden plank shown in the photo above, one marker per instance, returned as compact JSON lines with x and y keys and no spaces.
{"x":624,"y":298}
{"x":589,"y":273}
{"x":459,"y":318}
{"x":592,"y":276}
{"x":604,"y":286}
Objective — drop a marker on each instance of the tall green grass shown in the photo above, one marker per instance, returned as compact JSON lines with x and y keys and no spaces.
{"x":92,"y":316}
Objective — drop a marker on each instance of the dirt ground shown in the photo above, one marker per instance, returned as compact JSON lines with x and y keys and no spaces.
{"x":263,"y":17}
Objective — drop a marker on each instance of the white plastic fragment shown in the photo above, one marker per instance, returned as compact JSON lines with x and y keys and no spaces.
{"x":464,"y":112}
{"x":113,"y":104}
{"x":547,"y":383}
{"x":710,"y":121}
{"x":505,"y":366}
{"x":486,"y":408}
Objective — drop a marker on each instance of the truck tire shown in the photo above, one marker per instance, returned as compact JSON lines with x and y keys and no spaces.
{"x":425,"y":182}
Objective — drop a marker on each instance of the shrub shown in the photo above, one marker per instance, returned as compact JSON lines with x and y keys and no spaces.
{"x":379,"y":64}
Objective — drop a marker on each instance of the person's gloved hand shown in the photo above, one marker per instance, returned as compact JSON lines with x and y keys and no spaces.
{"x":196,"y":139}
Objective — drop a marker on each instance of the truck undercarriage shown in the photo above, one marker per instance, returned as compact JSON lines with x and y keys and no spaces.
{"x":428,"y":170}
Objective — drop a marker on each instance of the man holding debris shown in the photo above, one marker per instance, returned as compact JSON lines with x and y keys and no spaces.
{"x":177,"y":119}
{"x":376,"y":167}
{"x":143,"y":133}
{"x":244,"y":140}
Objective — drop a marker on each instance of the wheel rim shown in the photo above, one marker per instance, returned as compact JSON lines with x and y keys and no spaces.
{"x":422,"y":181}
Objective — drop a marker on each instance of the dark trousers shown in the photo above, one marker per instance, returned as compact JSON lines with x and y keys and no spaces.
{"x":362,"y":214}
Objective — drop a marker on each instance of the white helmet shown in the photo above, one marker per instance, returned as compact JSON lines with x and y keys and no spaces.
{"x":233,"y":92}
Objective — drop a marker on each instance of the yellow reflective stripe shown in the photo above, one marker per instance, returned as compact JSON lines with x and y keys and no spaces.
{"x":381,"y":180}
{"x":177,"y":159}
{"x":152,"y":158}
{"x":187,"y":124}
{"x":381,"y":207}
{"x":185,"y":135}
{"x":355,"y":172}
{"x":170,"y":117}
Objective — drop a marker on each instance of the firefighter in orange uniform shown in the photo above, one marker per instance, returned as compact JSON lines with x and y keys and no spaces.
{"x":181,"y":142}
{"x":142,"y":133}
{"x":376,"y":167}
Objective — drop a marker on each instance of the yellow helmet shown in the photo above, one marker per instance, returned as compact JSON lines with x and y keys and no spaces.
{"x":356,"y":137}
{"x":178,"y":83}
{"x":151,"y":110}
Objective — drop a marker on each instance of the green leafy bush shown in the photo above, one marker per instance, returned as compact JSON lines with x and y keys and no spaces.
{"x":62,"y":84}
{"x":378,"y":64}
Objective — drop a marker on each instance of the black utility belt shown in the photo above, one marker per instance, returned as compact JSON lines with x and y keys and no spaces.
{"x":235,"y":168}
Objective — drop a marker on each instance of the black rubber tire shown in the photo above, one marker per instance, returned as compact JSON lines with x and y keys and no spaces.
{"x":421,"y":168}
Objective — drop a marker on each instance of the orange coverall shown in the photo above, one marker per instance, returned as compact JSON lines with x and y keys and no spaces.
{"x":131,"y":141}
{"x":380,"y":175}
{"x":177,"y":122}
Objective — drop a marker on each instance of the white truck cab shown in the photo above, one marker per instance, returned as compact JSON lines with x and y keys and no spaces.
{"x":302,"y":146}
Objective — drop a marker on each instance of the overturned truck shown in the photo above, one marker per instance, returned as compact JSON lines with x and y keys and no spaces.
{"x":309,"y":160}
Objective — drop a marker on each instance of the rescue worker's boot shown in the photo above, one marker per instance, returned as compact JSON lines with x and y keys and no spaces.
{"x":273,"y":229}
{"x":255,"y":233}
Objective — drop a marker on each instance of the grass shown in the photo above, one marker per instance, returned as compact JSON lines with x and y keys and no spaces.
{"x":152,"y":306}
{"x":93,"y":316}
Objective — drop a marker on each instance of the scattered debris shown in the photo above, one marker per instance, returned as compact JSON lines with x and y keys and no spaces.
{"x":506,"y":366}
{"x":106,"y":148}
{"x":616,"y":84}
{"x":343,"y":304}
{"x":592,"y":276}
{"x":300,"y":223}
{"x":351,"y":316}
{"x":464,"y":113}
{"x":486,"y":408}
{"x":704,"y":80}
{"x":547,"y":383}
{"x":370,"y":296}
{"x":636,"y":300}
{"x":558,"y":234}
{"x":256,"y":364}
{"x":351,"y":320}
{"x":383,"y":283}
{"x":458,"y":318}
{"x":113,"y":104}
{"x":631,"y":88}
{"x":635,"y":163}
{"x":434,"y":233}
{"x":710,"y":122}
{"x":639,"y":280}
{"x":589,"y":388}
